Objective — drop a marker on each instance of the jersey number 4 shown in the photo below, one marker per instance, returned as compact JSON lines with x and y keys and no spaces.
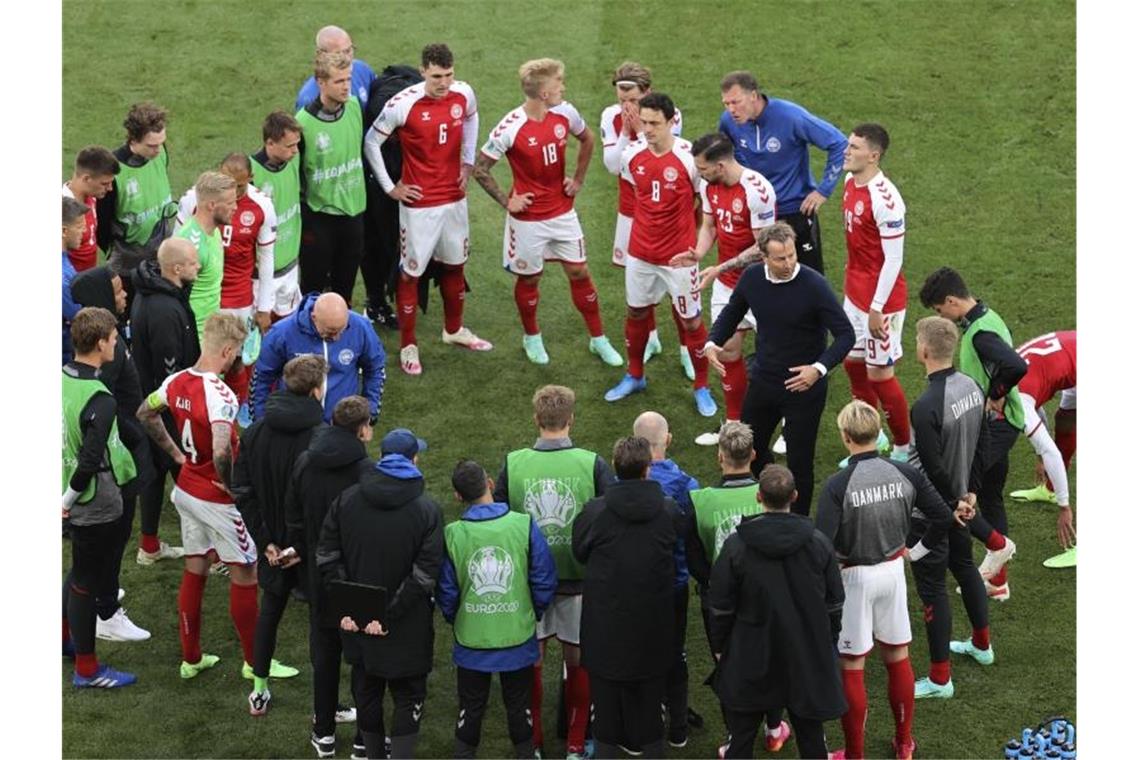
{"x":188,"y":443}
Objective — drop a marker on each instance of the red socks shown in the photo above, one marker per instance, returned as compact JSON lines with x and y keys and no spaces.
{"x":452,"y":286}
{"x":86,"y":664}
{"x":243,"y":611}
{"x":940,"y":672}
{"x":679,"y":322}
{"x":636,"y":336}
{"x":238,"y":381}
{"x":695,"y":341}
{"x":900,"y":693}
{"x":536,"y":705}
{"x":190,"y":615}
{"x":999,"y":578}
{"x":407,"y":299}
{"x":860,"y":386}
{"x":526,"y":298}
{"x":981,"y":638}
{"x":148,"y":543}
{"x":995,"y":542}
{"x":577,"y":706}
{"x":855,"y":719}
{"x":893,"y":399}
{"x":652,"y":318}
{"x":735,"y":383}
{"x":585,"y":297}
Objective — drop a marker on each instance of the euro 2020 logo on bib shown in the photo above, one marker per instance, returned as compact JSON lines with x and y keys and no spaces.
{"x":490,"y":569}
{"x":324,"y":142}
{"x":724,"y":529}
{"x":550,"y":502}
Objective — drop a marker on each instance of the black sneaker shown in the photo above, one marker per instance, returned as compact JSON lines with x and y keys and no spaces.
{"x":324,"y":745}
{"x":678,"y":736}
{"x":382,"y":315}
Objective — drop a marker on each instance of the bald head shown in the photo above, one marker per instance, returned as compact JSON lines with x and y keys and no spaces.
{"x":654,"y":428}
{"x":178,"y":261}
{"x":332,"y":39}
{"x":330,"y":315}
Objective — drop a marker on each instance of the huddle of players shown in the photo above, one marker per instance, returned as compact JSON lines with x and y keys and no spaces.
{"x":737,"y":202}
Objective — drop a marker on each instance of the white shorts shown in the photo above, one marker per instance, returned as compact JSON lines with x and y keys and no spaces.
{"x":286,"y":292}
{"x":245,"y":312}
{"x":526,"y":245}
{"x":562,"y":619}
{"x":875,"y":352}
{"x":435,"y":232}
{"x":1068,"y":398}
{"x":646,"y":284}
{"x":720,"y":295}
{"x":875,"y":608}
{"x":621,"y":238}
{"x":208,"y":525}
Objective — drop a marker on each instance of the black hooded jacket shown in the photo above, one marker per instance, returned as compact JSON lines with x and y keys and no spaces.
{"x":93,"y":287}
{"x":626,"y":540}
{"x":776,"y":603}
{"x":335,"y":460}
{"x":268,"y":450}
{"x":386,"y":532}
{"x":164,"y":335}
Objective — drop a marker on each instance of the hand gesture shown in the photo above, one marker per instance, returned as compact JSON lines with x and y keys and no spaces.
{"x":812,"y":202}
{"x":1066,"y":533}
{"x":876,"y":323}
{"x":803,"y":377}
{"x":712,"y":353}
{"x":465,"y":174}
{"x":996,"y":405}
{"x":273,"y":554}
{"x":571,"y":186}
{"x":411,"y":193}
{"x":375,"y":629}
{"x":517,"y":203}
{"x":348,"y":624}
{"x":687,"y":259}
{"x":631,"y":118}
{"x":708,"y":274}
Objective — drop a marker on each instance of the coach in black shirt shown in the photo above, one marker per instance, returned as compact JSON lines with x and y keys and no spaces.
{"x":794,"y":310}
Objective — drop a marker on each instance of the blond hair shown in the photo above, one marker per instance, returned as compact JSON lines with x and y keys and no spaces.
{"x":212,"y":185}
{"x":222,"y":330}
{"x":735,"y":442}
{"x":859,"y":421}
{"x":940,"y":336}
{"x":553,"y":407}
{"x":326,"y":62}
{"x":632,"y":74}
{"x":534,"y":74}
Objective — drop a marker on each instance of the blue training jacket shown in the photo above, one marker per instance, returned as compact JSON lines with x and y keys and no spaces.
{"x":676,"y":483}
{"x":543,"y":578}
{"x":355,"y":356}
{"x":776,"y":145}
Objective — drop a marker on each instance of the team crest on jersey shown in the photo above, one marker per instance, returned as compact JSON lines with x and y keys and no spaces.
{"x":346,"y":356}
{"x":773,"y":145}
{"x":456,"y":110}
{"x":550,"y":502}
{"x":324,"y":142}
{"x":670,"y":174}
{"x":247,"y":218}
{"x":132,"y":186}
{"x":858,"y":208}
{"x":559,"y":131}
{"x":490,"y":569}
{"x":737,"y":205}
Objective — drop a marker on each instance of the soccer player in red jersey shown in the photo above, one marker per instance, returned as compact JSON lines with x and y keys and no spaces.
{"x":541,"y":221}
{"x":92,"y":179}
{"x":874,"y":288}
{"x":204,"y":410}
{"x":737,"y":203}
{"x":664,"y":177}
{"x":437,"y":123}
{"x":1052,"y":360}
{"x":247,"y":240}
{"x":621,"y":127}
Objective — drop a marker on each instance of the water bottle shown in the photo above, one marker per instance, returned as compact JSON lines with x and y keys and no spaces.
{"x":1052,"y":754}
{"x":1012,"y":748}
{"x":1068,"y":752}
{"x":1071,"y":735}
{"x":1026,"y":737}
{"x":1025,"y":753}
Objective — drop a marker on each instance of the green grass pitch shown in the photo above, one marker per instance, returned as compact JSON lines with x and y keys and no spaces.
{"x":979,"y":98}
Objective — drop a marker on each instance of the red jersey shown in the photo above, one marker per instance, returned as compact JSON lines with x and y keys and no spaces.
{"x":536,"y":151}
{"x":437,"y":136}
{"x":739,"y":211}
{"x":1052,"y":360}
{"x":615,"y":140}
{"x":874,"y":215}
{"x":663,"y":220}
{"x":86,"y":254}
{"x":196,"y":401}
{"x":247,"y":241}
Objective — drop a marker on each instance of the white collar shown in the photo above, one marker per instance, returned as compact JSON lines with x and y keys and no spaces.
{"x":768,"y":277}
